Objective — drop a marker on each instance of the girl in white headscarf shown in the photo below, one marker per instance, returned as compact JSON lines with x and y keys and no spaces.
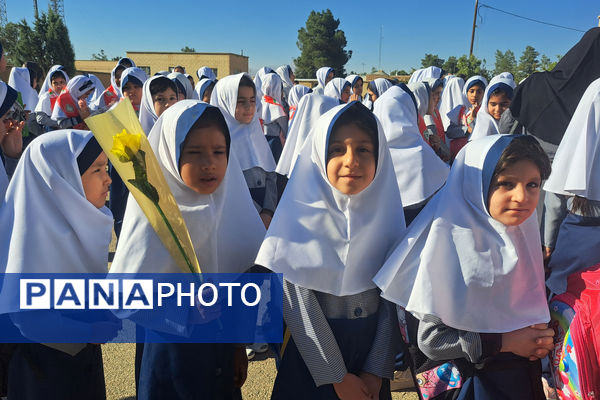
{"x":287,"y":77}
{"x":132,"y":81}
{"x":273,"y":116}
{"x":98,"y":88}
{"x":296,"y":94}
{"x":158,"y":94}
{"x":328,"y":239}
{"x":496,"y":99}
{"x":185,"y":90}
{"x":70,"y":234}
{"x":470,"y":270}
{"x":463,"y":117}
{"x":113,"y":93}
{"x":452,"y":97}
{"x":356,"y":83}
{"x":425,"y":74}
{"x":71,"y":107}
{"x":20,"y":80}
{"x":11,"y":139}
{"x":419,"y":171}
{"x":206,"y":72}
{"x":235,"y":95}
{"x":226,"y":233}
{"x":55,"y":82}
{"x":324,"y":75}
{"x":339,"y":89}
{"x":204,"y":89}
{"x":377,"y":87}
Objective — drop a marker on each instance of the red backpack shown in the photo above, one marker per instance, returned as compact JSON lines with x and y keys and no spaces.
{"x":576,"y":319}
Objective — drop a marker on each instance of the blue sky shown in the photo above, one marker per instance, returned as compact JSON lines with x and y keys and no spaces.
{"x":268,"y":35}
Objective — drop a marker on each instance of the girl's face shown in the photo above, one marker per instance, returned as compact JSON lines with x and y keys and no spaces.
{"x":134,"y":92}
{"x":436,"y":95}
{"x":475,"y":95}
{"x":515,"y":192}
{"x":358,"y":87}
{"x":351,"y":159}
{"x":58,"y":83}
{"x":345,"y":94}
{"x":329,"y":77}
{"x":207,"y":94}
{"x":497,"y":104}
{"x":96,"y":181}
{"x":372,"y":95}
{"x":203,"y":159}
{"x":246,"y":105}
{"x":163,"y":100}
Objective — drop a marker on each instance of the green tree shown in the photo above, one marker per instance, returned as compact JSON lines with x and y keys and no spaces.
{"x":505,"y":62}
{"x":528,"y":63}
{"x":321,"y":44}
{"x":451,"y":65}
{"x":187,"y":49}
{"x":101,"y":56}
{"x":47,"y":43}
{"x":432,"y":60}
{"x":469,"y":66}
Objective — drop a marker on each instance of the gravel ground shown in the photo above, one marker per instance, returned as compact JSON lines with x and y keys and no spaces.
{"x":118,"y":371}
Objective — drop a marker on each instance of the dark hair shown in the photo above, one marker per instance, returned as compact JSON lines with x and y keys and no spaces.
{"x":499,"y":91}
{"x":58,"y":74}
{"x":212,"y":116}
{"x":35,"y":71}
{"x":247,"y":82}
{"x":581,"y":205}
{"x":121,"y":68}
{"x":360,"y":116}
{"x":126,"y":62}
{"x":373,"y":88}
{"x":523,"y":147}
{"x":179,"y":66}
{"x":476,"y":82}
{"x":210,"y":87}
{"x":161,"y":84}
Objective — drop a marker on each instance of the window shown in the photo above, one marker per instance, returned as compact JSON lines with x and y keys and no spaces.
{"x":146,"y":70}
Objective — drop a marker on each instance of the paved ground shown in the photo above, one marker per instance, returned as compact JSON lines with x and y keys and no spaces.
{"x":118,"y":370}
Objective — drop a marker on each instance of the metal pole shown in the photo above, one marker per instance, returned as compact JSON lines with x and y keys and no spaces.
{"x":473,"y":32}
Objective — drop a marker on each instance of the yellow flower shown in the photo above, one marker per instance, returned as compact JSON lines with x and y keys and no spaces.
{"x":126,"y":145}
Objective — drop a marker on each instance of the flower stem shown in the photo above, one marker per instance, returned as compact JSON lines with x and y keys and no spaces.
{"x":164,"y":217}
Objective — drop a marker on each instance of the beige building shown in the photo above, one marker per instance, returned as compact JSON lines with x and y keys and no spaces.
{"x":222,"y":64}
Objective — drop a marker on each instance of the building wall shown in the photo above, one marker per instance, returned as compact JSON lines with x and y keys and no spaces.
{"x":224,"y":63}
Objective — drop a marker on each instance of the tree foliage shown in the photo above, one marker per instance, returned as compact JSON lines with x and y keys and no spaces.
{"x":432,"y":60}
{"x":451,"y":65}
{"x":469,"y":66}
{"x":47,"y":43}
{"x":528,"y":63}
{"x":101,"y":56}
{"x":187,"y":49}
{"x":321,"y":44}
{"x":505,"y":62}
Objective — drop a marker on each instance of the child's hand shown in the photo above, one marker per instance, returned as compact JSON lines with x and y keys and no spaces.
{"x":373,"y":383}
{"x":12,"y":139}
{"x":532,"y":342}
{"x":353,"y":97}
{"x":352,"y":388}
{"x":84,"y":110}
{"x":240,"y":366}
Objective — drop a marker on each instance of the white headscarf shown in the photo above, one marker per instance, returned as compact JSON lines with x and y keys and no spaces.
{"x":296,"y":93}
{"x":225,"y":229}
{"x":284,"y":73}
{"x":352,"y":79}
{"x":201,"y":86}
{"x":425,"y":73}
{"x":419,"y":171}
{"x":98,"y":88}
{"x":258,"y":78}
{"x":147,"y":113}
{"x":127,"y":59}
{"x":20,"y":80}
{"x":473,"y":80}
{"x":67,"y":234}
{"x":381,"y":84}
{"x":77,"y":87}
{"x":486,"y":125}
{"x":322,"y":75}
{"x":452,"y":97}
{"x":310,"y":108}
{"x":327,"y":241}
{"x":248,"y":142}
{"x":135,"y":72}
{"x":576,"y":165}
{"x":113,"y":80}
{"x":47,"y":82}
{"x":505,"y":75}
{"x":421,"y":92}
{"x":335,"y":88}
{"x":271,"y":86}
{"x":185,"y":82}
{"x":8,"y":96}
{"x":458,"y":263}
{"x":207,"y":73}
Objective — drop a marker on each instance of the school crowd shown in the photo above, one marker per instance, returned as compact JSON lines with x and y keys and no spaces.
{"x":404,"y":223}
